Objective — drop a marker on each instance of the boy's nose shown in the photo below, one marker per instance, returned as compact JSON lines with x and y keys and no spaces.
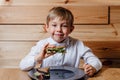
{"x":59,"y":28}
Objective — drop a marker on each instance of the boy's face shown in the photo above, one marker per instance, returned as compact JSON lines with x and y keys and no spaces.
{"x":59,"y":29}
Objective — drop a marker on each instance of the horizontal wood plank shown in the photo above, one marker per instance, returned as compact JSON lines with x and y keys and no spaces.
{"x":17,"y":50}
{"x":9,"y":63}
{"x":37,"y":14}
{"x":96,"y":33}
{"x":57,"y":2}
{"x":105,"y":49}
{"x":114,"y":14}
{"x":22,"y":32}
{"x":81,"y":32}
{"x":12,"y":52}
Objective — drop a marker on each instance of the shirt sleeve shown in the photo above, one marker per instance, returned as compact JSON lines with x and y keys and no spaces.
{"x":28,"y":62}
{"x":91,"y":59}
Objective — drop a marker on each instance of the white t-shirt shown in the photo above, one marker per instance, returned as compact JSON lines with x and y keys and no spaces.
{"x":75,"y":50}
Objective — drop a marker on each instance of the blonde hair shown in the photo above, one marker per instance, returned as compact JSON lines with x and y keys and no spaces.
{"x":62,"y":13}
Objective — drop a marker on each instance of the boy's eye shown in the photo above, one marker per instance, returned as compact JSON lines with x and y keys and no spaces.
{"x":65,"y":25}
{"x":54,"y":25}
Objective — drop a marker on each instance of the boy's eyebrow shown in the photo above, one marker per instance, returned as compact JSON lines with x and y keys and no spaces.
{"x":53,"y":22}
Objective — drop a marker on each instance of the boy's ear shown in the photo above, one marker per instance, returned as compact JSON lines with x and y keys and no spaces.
{"x":72,"y":28}
{"x":45,"y":27}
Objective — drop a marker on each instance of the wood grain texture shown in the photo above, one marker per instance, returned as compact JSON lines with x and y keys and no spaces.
{"x":81,"y":32}
{"x":22,"y":32}
{"x":13,"y":74}
{"x":96,"y":33}
{"x":18,"y":50}
{"x":15,"y":50}
{"x":113,"y":2}
{"x":105,"y":49}
{"x":107,"y":74}
{"x":56,"y":2}
{"x":25,"y":19}
{"x":9,"y":63}
{"x":114,"y":14}
{"x":12,"y":52}
{"x":17,"y":40}
{"x":37,"y":14}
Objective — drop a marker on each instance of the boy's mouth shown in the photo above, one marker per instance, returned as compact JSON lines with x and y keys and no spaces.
{"x":59,"y":34}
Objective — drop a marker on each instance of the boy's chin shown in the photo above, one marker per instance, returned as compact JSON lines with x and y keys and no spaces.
{"x":59,"y":40}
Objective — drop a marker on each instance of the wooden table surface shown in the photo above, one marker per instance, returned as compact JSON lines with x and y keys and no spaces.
{"x":13,"y":74}
{"x":17,"y":74}
{"x":107,"y":74}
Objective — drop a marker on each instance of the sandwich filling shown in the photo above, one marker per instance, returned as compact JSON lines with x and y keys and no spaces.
{"x":58,"y":49}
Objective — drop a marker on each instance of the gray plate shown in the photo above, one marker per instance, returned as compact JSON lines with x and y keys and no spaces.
{"x":62,"y":73}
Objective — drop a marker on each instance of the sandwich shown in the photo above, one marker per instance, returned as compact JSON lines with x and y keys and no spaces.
{"x":42,"y":73}
{"x":57,"y":49}
{"x":43,"y":70}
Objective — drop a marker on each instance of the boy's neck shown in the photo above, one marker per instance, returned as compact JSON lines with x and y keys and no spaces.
{"x":61,"y":41}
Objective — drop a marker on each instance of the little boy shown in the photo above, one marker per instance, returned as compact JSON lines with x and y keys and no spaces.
{"x":59,"y":25}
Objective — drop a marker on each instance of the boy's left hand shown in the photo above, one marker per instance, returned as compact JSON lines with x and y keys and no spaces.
{"x":89,"y":69}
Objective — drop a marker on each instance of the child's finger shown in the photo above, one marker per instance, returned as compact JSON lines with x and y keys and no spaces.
{"x":43,"y":49}
{"x":45,"y":46}
{"x":84,"y":65}
{"x":87,"y":68}
{"x":90,"y":71}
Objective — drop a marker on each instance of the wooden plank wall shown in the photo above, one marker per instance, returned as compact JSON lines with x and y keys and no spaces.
{"x":22,"y":21}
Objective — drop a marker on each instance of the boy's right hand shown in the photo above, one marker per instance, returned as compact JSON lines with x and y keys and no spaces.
{"x":42,"y":55}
